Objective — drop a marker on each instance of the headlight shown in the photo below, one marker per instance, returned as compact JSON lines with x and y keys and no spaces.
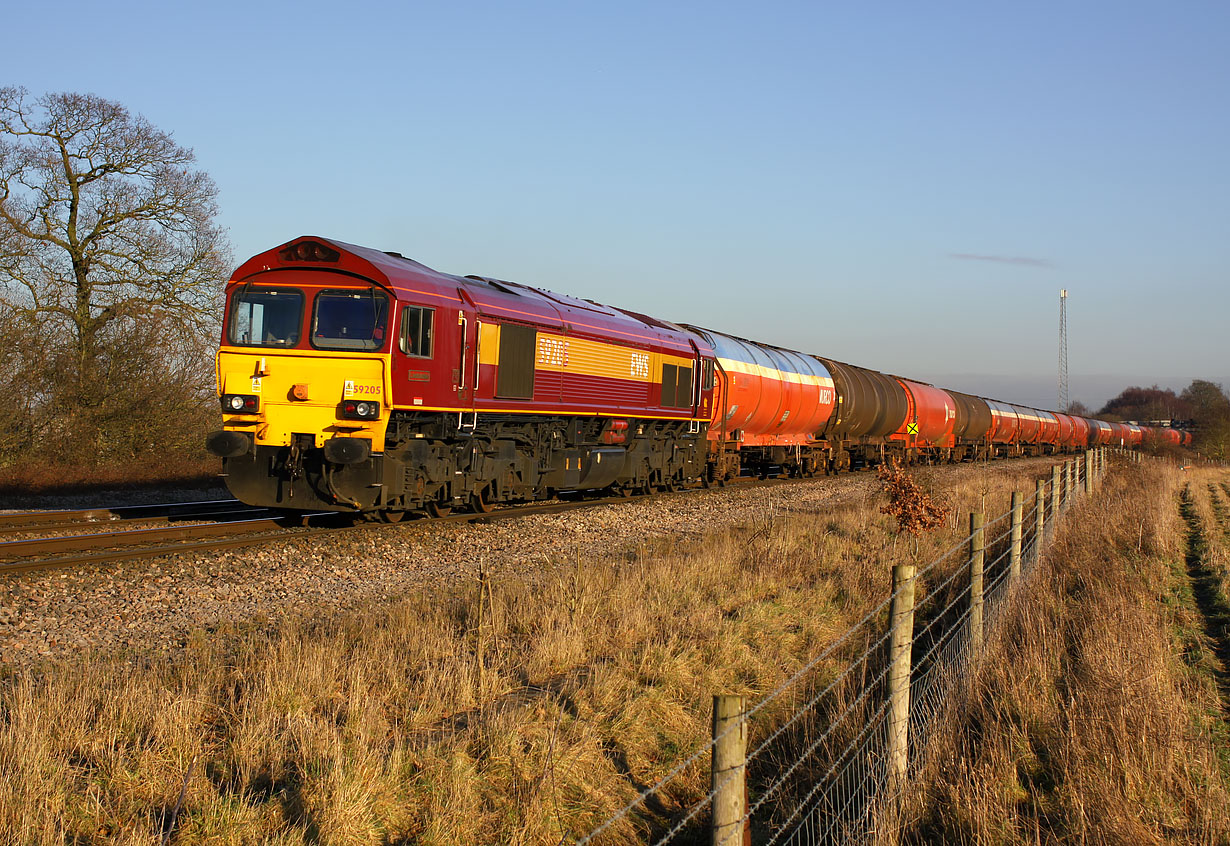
{"x":360,"y":410}
{"x":240,"y":403}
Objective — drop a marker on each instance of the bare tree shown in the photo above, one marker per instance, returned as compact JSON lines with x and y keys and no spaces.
{"x":111,"y":273}
{"x":102,"y":219}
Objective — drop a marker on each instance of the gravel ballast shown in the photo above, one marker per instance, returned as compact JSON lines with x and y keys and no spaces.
{"x":155,"y":605}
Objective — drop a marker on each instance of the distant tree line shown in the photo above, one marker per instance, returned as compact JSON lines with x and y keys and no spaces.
{"x":1203,"y":406}
{"x":111,"y":275}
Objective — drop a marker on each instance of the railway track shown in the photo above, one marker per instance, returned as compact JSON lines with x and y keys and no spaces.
{"x":58,"y":520}
{"x":235,"y":525}
{"x":26,"y":555}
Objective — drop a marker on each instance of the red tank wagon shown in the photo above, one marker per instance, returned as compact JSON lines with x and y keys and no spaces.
{"x":1048,"y":437}
{"x":768,"y":405}
{"x":1004,"y":427}
{"x":931,"y":416}
{"x":1066,"y":436}
{"x":1029,"y":426}
{"x":971,"y":427}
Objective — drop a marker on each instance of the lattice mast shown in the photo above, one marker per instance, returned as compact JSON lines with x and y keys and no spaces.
{"x":1063,"y":349}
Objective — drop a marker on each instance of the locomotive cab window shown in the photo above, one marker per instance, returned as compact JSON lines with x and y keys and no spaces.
{"x":707,"y":375}
{"x":265,"y":317}
{"x":349,"y":319}
{"x":415,"y":336}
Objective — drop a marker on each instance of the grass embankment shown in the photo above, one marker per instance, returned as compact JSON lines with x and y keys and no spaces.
{"x":1100,"y":720}
{"x":515,"y":711}
{"x":42,"y":478}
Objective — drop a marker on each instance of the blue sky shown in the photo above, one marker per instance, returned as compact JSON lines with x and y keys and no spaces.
{"x":899,"y":185}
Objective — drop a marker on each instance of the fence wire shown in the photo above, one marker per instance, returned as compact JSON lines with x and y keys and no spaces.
{"x":822,"y":774}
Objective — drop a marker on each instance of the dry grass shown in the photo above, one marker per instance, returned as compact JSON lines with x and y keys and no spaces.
{"x":512,"y":710}
{"x":1102,"y":721}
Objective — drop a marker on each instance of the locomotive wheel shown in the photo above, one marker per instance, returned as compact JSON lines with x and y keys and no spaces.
{"x":479,"y":504}
{"x":390,"y":515}
{"x":437,"y":509}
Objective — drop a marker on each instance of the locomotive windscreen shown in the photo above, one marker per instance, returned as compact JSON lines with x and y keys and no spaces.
{"x":350,"y":320}
{"x":265,"y":317}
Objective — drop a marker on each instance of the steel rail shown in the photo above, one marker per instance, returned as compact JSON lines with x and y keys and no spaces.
{"x":227,"y":516}
{"x":22,"y":521}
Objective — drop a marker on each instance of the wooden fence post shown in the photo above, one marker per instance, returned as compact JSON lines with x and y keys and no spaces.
{"x":1014,"y":549}
{"x":901,"y":619}
{"x":1039,"y":516}
{"x":1089,"y":473}
{"x":1056,"y":495}
{"x":728,"y":773}
{"x":1068,"y":473}
{"x":976,"y":557}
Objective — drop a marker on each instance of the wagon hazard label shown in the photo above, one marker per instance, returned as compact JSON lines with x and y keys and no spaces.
{"x":912,"y":429}
{"x":360,"y":390}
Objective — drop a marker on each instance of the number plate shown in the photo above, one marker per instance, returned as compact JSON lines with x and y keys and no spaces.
{"x":361,"y":390}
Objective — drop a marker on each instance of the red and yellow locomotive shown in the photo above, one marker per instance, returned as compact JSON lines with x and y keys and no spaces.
{"x":362,"y":381}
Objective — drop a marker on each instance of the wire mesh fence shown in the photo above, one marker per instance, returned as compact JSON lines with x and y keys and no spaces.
{"x":833,"y":768}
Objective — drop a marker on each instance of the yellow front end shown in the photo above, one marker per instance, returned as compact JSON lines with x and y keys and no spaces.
{"x":303,"y":393}
{"x":299,"y":445}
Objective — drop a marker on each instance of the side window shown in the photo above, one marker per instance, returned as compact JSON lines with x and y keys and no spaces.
{"x":670,"y":377}
{"x":415,"y":337}
{"x":707,"y":371}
